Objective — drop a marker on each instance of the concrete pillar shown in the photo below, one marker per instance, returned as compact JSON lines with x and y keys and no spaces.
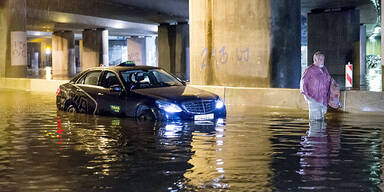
{"x":382,"y":43}
{"x":63,"y":54}
{"x":13,"y":41}
{"x":136,"y":50}
{"x":245,"y":43}
{"x":173,"y":46}
{"x":285,"y":44}
{"x":181,"y":51}
{"x":105,"y":47}
{"x":94,"y":48}
{"x":164,"y":48}
{"x":150,"y":50}
{"x":363,"y":54}
{"x":337,"y":34}
{"x":81,"y":53}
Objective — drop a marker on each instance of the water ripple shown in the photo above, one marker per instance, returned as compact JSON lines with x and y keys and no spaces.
{"x":42,"y":149}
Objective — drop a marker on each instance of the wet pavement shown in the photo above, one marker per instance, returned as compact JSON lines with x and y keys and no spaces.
{"x":42,"y":149}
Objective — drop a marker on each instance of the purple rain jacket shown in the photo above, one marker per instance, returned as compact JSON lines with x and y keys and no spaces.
{"x":315,"y":83}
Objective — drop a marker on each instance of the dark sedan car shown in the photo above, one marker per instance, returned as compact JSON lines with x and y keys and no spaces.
{"x":142,"y":92}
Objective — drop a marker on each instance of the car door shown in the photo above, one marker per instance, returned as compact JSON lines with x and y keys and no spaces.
{"x":132,"y":99}
{"x":111,"y":102}
{"x":86,"y":89}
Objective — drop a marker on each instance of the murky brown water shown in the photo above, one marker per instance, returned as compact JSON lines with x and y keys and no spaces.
{"x":42,"y":149}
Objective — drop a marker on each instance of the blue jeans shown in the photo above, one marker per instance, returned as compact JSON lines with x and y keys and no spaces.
{"x":316,"y":110}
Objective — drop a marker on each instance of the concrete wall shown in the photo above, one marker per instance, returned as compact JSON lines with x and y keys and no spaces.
{"x":3,"y":36}
{"x":382,"y":42}
{"x":44,"y":44}
{"x":239,"y":99}
{"x":117,"y":48}
{"x":285,"y":44}
{"x":41,"y":85}
{"x":63,"y":54}
{"x":173,"y":46}
{"x":338,"y":35}
{"x":164,"y":48}
{"x":136,"y":50}
{"x":13,"y":20}
{"x":151,"y":51}
{"x":230,"y":42}
{"x":94,"y":49}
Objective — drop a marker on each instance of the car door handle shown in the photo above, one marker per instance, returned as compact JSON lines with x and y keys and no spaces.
{"x":100,"y":94}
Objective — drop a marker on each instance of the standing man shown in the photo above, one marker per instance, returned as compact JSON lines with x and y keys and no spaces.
{"x":314,"y":85}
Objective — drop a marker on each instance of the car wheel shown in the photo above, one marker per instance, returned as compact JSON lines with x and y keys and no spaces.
{"x":146,"y":115}
{"x":71,"y":109}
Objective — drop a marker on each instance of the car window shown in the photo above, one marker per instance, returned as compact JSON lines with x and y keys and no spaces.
{"x":81,"y":80}
{"x":149,"y":78}
{"x":91,"y":78}
{"x":110,"y":79}
{"x":161,"y":76}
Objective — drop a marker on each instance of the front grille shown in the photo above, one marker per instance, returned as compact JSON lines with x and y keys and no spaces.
{"x":199,"y":106}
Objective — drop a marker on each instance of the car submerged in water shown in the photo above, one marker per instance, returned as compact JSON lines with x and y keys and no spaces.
{"x":142,"y":92}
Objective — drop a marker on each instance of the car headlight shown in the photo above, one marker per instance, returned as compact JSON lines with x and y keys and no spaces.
{"x":168,"y":106}
{"x":219,"y":104}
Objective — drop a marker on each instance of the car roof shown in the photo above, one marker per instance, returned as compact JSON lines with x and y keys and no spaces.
{"x":116,"y":69}
{"x":122,"y":68}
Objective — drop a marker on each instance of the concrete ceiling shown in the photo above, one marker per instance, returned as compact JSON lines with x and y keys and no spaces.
{"x":368,"y":11}
{"x":138,"y":17}
{"x":121,"y":17}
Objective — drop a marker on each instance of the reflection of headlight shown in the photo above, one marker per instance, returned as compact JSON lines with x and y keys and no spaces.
{"x":168,"y":107}
{"x":220,"y":121}
{"x":172,"y":127}
{"x":219,"y":104}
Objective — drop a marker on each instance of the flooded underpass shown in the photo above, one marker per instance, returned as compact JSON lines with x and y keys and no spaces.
{"x":42,"y":149}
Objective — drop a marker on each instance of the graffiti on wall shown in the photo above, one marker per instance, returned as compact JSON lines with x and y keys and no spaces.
{"x":221,"y":56}
{"x":18,"y":48}
{"x":136,"y":57}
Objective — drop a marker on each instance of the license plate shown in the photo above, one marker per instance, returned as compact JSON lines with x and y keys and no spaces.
{"x":204,"y":117}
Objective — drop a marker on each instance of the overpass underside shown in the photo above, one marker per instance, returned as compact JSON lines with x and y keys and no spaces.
{"x":248,"y":43}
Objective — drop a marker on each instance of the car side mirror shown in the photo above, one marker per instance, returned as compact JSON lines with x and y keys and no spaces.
{"x":132,"y":86}
{"x":116,"y":88}
{"x":182,"y":81}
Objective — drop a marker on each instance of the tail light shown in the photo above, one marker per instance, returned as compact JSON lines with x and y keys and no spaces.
{"x":58,"y":91}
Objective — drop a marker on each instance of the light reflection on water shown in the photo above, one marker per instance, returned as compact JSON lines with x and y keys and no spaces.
{"x":42,"y":149}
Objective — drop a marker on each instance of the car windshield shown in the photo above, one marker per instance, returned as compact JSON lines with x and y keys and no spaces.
{"x":139,"y":79}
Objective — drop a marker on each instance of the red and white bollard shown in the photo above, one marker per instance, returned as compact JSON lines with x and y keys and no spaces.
{"x":348,"y":75}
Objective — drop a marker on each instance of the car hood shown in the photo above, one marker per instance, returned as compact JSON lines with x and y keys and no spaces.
{"x":176,"y":93}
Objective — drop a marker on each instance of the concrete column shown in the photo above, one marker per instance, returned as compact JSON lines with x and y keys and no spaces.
{"x":164,"y":49}
{"x":382,"y":43}
{"x":173,"y":45}
{"x":63,"y":54}
{"x":13,"y":41}
{"x":285,"y":44}
{"x":150,"y":50}
{"x":81,"y":53}
{"x":105,"y":46}
{"x":95,"y":48}
{"x":181,"y":51}
{"x":337,"y":34}
{"x":245,"y":43}
{"x":363,"y":54}
{"x":136,"y":50}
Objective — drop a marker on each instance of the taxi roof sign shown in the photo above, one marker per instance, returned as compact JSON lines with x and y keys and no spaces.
{"x":127,"y":64}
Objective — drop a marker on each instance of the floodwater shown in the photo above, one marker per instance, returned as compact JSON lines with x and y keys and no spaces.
{"x":42,"y":149}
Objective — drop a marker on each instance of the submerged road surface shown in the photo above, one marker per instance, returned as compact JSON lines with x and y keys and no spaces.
{"x":42,"y":149}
